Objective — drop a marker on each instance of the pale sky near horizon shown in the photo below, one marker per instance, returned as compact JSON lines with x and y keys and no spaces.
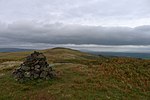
{"x":111,"y":23}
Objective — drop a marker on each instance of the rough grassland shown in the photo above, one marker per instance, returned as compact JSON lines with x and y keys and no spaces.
{"x":80,"y":76}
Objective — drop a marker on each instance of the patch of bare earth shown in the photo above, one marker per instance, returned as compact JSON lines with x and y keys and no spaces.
{"x":8,"y":65}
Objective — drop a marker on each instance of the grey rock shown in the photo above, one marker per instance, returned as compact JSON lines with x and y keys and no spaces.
{"x":43,"y":74}
{"x":36,"y":75}
{"x":25,"y":68}
{"x":27,"y":74}
{"x":37,"y":66}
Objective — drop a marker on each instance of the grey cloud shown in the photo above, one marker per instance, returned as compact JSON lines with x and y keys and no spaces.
{"x":59,"y":33}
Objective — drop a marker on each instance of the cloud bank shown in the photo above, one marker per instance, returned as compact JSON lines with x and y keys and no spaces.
{"x":58,"y":33}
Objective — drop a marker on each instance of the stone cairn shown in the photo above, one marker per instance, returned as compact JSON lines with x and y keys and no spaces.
{"x":35,"y":66}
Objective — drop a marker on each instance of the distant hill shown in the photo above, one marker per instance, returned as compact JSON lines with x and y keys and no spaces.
{"x":111,"y":54}
{"x":55,"y":54}
{"x":123,"y":54}
{"x":13,"y":49}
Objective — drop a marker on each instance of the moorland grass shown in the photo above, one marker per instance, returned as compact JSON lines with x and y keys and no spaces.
{"x":80,"y":77}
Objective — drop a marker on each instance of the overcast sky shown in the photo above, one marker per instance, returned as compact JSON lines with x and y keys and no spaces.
{"x":106,"y":25}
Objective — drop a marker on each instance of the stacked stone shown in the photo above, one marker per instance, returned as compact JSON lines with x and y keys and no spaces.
{"x":34,"y":67}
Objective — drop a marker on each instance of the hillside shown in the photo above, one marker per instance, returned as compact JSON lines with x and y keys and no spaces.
{"x":123,"y":54}
{"x":13,"y":50}
{"x":80,"y":76}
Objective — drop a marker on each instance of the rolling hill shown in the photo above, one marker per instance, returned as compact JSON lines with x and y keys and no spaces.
{"x":80,"y":76}
{"x":123,"y":54}
{"x":13,"y":50}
